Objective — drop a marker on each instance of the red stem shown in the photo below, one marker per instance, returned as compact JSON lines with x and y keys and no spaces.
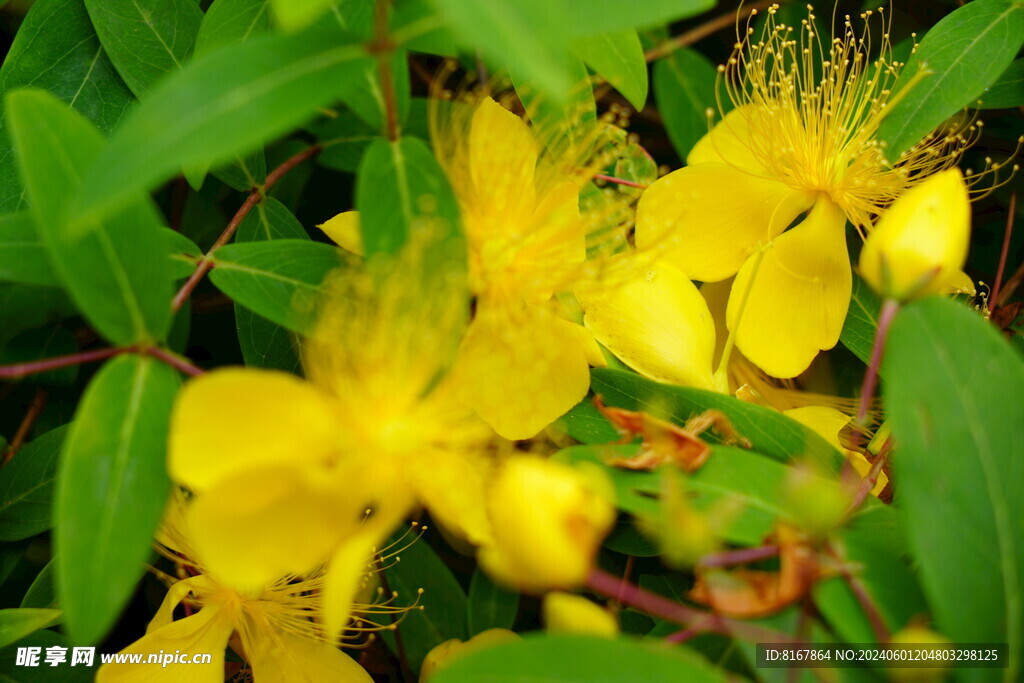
{"x":255,"y":196}
{"x":31,"y":415}
{"x":889,"y":309}
{"x":733,"y":557}
{"x":22,"y":369}
{"x":175,"y":361}
{"x":618,"y":181}
{"x":864,"y":598}
{"x":1002,"y":256}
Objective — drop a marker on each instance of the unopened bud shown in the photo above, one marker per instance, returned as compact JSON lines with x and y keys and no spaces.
{"x":548,"y":520}
{"x":568,"y":613}
{"x":919,"y":246}
{"x":450,"y":650}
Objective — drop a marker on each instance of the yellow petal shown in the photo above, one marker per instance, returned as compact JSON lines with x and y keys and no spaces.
{"x":261,"y":525}
{"x":520,"y":369}
{"x":716,"y":294}
{"x":568,"y":613}
{"x":502,"y":159}
{"x":345,"y":231}
{"x":454,"y":649}
{"x":657,"y":323}
{"x":709,"y":218}
{"x":585,"y":338}
{"x":829,"y":422}
{"x":232,"y":420}
{"x":556,"y":235}
{"x":451,"y":486}
{"x":798,"y":300}
{"x":281,"y":656}
{"x":729,"y":142}
{"x":175,"y":594}
{"x":205,"y":632}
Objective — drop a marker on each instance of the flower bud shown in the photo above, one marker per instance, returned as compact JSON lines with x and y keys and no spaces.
{"x":548,"y":520}
{"x":919,"y":245}
{"x":451,"y":650}
{"x":919,"y":638}
{"x":568,"y":613}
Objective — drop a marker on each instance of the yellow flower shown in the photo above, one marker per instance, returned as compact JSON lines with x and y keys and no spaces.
{"x":801,"y":139}
{"x":920,"y":244}
{"x":568,"y":613}
{"x":454,"y":649}
{"x":377,"y":426}
{"x":548,"y":520}
{"x":276,"y":628}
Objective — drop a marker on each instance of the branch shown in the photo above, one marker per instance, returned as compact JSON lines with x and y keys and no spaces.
{"x":700,"y":32}
{"x":19,"y":370}
{"x":31,"y":415}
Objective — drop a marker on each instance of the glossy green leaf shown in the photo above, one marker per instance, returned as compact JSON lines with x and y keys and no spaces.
{"x":265,"y":344}
{"x":26,"y":487}
{"x":528,"y":36}
{"x":490,"y":605}
{"x":401,"y":189}
{"x":42,"y":594}
{"x":146,"y":39}
{"x":365,"y":94}
{"x":955,"y":399}
{"x":111,"y":490}
{"x":444,"y":602}
{"x":297,"y":14}
{"x":108,"y":269}
{"x":222,"y":105}
{"x":279,"y":281}
{"x":684,"y":88}
{"x":861,"y":322}
{"x":565,"y":658}
{"x":965,"y":52}
{"x":56,"y":49}
{"x":228,"y":22}
{"x":604,"y":16}
{"x":23,"y":257}
{"x":768,"y":431}
{"x":438,"y":41}
{"x":619,"y":59}
{"x":15,"y":624}
{"x":1008,"y":90}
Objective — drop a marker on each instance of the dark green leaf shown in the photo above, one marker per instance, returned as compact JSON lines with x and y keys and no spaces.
{"x":108,"y":268}
{"x":23,"y":307}
{"x":438,"y":41}
{"x":200,"y":116}
{"x":965,"y":53}
{"x":604,"y":16}
{"x":858,"y":333}
{"x":365,"y":94}
{"x":625,"y":538}
{"x":232,"y":21}
{"x":279,"y":281}
{"x":400,"y":190}
{"x":619,"y":59}
{"x":38,"y":344}
{"x":11,"y":672}
{"x":490,"y":605}
{"x":146,"y":39}
{"x":955,"y":398}
{"x":56,"y":49}
{"x":264,"y":344}
{"x":23,"y":257}
{"x":26,"y":487}
{"x":565,"y":658}
{"x":183,"y":254}
{"x":444,"y":603}
{"x":684,"y":88}
{"x":15,"y":624}
{"x":344,"y":140}
{"x":768,"y":431}
{"x":41,"y":594}
{"x":1008,"y":90}
{"x":111,"y":490}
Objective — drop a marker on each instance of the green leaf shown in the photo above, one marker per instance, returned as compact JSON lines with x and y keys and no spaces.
{"x":438,"y":41}
{"x":625,"y":538}
{"x":228,"y":22}
{"x":365,"y":94}
{"x":111,"y":490}
{"x":527,"y":36}
{"x":38,"y":344}
{"x":219,"y":106}
{"x":26,"y":487}
{"x":265,"y":344}
{"x":490,"y":605}
{"x":24,"y":307}
{"x":965,"y":53}
{"x":41,"y":593}
{"x":1008,"y":90}
{"x":279,"y":281}
{"x":56,"y":49}
{"x":23,"y":257}
{"x":146,"y":39}
{"x":565,"y":658}
{"x":684,"y":88}
{"x":400,"y":190}
{"x":109,"y":270}
{"x":604,"y":16}
{"x":618,"y":58}
{"x":955,"y":398}
{"x":344,"y":140}
{"x":768,"y":431}
{"x":444,"y":602}
{"x":10,"y":672}
{"x":15,"y":624}
{"x":297,"y":14}
{"x":858,"y":333}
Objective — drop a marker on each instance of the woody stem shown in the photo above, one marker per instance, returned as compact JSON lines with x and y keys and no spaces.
{"x":890,"y":307}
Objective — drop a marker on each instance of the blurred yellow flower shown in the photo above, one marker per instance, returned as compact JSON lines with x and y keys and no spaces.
{"x":568,"y":613}
{"x":377,"y":426}
{"x":548,"y":520}
{"x":454,"y":649}
{"x":920,"y":244}
{"x":276,"y":627}
{"x":801,"y":139}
